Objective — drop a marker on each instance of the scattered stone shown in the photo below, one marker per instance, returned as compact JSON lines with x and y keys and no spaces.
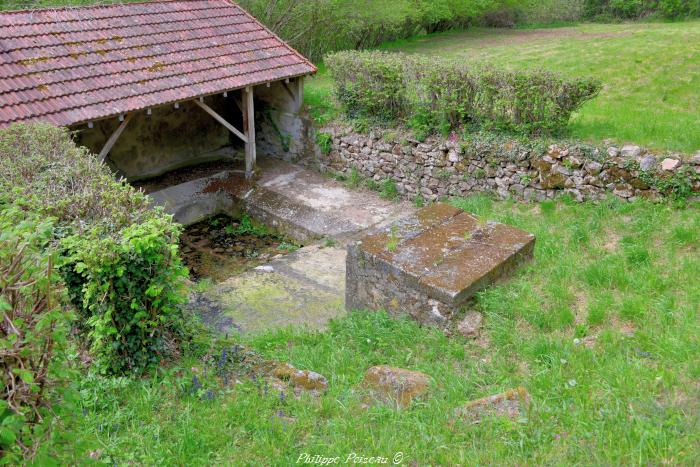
{"x":512,"y":404}
{"x":304,"y":379}
{"x":630,"y":150}
{"x":470,"y":326}
{"x":696,"y":158}
{"x":613,"y":151}
{"x":670,"y":164}
{"x":397,"y":385}
{"x":264,"y":268}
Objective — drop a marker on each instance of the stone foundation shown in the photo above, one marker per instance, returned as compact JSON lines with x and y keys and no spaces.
{"x":429,"y":265}
{"x":448,"y":167}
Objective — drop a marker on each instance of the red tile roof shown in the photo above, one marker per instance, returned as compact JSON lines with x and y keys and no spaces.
{"x":73,"y":65}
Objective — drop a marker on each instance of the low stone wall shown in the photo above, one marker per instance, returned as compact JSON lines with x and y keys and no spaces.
{"x":523,"y":170}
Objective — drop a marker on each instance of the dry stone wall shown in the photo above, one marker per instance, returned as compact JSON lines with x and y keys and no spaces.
{"x":524,"y":170}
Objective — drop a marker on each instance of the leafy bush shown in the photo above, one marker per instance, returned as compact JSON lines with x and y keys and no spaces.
{"x":324,"y":141}
{"x":119,"y":255}
{"x":633,"y":9}
{"x":439,"y":95}
{"x":34,"y":326}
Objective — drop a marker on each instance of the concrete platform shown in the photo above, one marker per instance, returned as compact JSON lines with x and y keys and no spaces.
{"x":428,"y":265}
{"x":304,"y":288}
{"x":301,"y":203}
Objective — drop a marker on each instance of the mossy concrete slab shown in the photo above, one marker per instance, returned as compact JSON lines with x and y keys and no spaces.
{"x":428,"y":265}
{"x":305,"y":288}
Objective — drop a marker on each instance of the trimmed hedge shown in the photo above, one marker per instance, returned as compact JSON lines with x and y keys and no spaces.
{"x":119,"y":255}
{"x":432,"y":94}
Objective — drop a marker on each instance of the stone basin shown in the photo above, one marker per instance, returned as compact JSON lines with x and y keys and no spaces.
{"x":430,"y":264}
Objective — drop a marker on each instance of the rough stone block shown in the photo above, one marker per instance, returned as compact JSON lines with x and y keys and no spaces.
{"x":430,"y":264}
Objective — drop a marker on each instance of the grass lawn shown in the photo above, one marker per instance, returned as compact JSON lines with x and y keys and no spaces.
{"x":602,"y":329}
{"x":650,"y":71}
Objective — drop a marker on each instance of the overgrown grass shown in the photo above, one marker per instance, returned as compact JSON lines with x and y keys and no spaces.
{"x":602,"y":329}
{"x":650,"y":72}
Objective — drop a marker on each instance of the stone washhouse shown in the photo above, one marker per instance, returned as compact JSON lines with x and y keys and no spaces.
{"x":157,"y":88}
{"x":151,"y":87}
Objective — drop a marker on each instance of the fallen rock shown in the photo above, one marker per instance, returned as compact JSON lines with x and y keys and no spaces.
{"x":303,"y":379}
{"x":670,"y":164}
{"x":511,"y":404}
{"x":470,"y":325}
{"x":398,"y":385}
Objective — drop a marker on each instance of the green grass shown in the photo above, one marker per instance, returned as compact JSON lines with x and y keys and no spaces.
{"x":650,"y":71}
{"x":602,"y":329}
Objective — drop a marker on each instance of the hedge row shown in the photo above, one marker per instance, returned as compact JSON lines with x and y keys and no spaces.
{"x":635,"y":9}
{"x":432,"y":94}
{"x":118,"y":255}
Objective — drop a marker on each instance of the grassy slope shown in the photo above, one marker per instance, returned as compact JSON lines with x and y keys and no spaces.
{"x":624,"y":273}
{"x":651,"y":73}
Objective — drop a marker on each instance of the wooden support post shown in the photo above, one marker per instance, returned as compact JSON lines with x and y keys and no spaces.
{"x":300,"y":93}
{"x":249,"y":124}
{"x":221,"y":120}
{"x":291,"y":93}
{"x":113,"y":139}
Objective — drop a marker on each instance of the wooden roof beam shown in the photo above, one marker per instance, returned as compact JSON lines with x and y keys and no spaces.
{"x":221,"y":120}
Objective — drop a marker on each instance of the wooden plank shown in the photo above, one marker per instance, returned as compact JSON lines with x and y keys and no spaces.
{"x":249,"y":123}
{"x":221,"y":120}
{"x":113,"y":139}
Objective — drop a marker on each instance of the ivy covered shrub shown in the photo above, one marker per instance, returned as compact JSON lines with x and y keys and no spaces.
{"x":432,"y":94}
{"x":34,"y":327}
{"x":118,"y":254}
{"x":128,"y":286}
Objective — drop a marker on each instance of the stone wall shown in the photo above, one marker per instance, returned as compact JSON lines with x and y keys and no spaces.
{"x":523,"y":170}
{"x":282,"y":129}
